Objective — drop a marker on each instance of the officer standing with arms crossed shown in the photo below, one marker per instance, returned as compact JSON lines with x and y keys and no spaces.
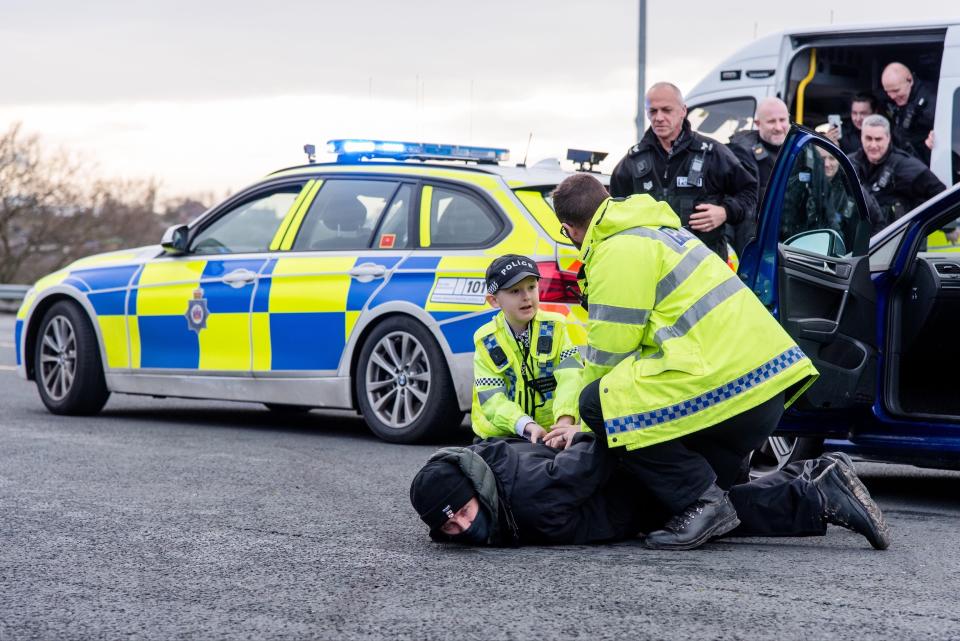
{"x":701,"y":180}
{"x":899,"y":182}
{"x":757,"y":149}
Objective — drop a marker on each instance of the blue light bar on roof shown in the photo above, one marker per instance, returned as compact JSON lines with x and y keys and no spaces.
{"x":354,"y":148}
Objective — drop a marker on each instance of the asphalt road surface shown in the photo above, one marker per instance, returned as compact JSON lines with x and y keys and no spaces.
{"x":165,"y":519}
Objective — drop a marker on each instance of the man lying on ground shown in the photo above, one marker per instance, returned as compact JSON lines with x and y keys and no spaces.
{"x":509,"y":492}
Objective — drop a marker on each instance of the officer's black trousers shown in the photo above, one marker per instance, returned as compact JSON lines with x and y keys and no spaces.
{"x":678,"y":472}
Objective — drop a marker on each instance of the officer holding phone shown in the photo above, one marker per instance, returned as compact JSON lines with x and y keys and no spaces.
{"x":846,"y":133}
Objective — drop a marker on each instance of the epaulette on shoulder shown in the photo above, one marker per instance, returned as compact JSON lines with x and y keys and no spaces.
{"x":635,"y":149}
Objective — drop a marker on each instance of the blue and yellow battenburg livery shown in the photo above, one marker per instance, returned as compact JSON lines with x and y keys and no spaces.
{"x":272,"y":301}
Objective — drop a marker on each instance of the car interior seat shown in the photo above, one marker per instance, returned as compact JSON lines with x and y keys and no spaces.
{"x":461,"y":222}
{"x":344,"y":215}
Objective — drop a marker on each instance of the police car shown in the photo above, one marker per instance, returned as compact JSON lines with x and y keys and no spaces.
{"x":354,"y":284}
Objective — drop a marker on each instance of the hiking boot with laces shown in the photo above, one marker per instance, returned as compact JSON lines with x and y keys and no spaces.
{"x":847,"y":503}
{"x":709,"y":516}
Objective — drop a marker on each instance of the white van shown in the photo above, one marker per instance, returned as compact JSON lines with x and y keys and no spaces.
{"x":816,"y":71}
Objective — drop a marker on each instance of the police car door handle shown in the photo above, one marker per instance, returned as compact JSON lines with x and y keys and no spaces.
{"x":239,"y":278}
{"x":366,"y":272}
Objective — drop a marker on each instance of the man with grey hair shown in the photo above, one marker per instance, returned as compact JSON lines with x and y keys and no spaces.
{"x":898,"y":181}
{"x":701,"y":180}
{"x":757,"y":150}
{"x":910,"y":104}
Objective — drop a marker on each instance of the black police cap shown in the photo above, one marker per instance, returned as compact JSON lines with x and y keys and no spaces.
{"x":509,"y":270}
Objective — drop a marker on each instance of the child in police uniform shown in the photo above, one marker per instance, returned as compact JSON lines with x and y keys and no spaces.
{"x":526,"y":369}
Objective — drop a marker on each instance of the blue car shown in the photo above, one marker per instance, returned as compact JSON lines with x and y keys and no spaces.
{"x":878,"y":314}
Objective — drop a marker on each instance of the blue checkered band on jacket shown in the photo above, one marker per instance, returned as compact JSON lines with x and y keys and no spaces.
{"x":546,"y":368}
{"x":715,"y":396}
{"x":487,"y":382}
{"x":490,"y":342}
{"x":567,"y":353}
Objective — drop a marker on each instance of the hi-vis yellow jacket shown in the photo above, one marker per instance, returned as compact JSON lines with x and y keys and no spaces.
{"x":679,"y":341}
{"x":500,"y":396}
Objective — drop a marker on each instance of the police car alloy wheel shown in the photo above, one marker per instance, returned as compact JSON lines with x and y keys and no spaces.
{"x":778,"y":451}
{"x":403,"y":384}
{"x":68,"y":369}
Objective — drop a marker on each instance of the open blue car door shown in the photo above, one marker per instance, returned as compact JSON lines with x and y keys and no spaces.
{"x":877,"y":315}
{"x":810,"y":266}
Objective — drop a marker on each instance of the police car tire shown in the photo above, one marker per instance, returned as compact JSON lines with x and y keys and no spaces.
{"x":441,"y":413}
{"x":88,"y":392}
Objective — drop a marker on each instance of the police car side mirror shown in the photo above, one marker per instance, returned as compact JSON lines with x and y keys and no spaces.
{"x":174,"y":240}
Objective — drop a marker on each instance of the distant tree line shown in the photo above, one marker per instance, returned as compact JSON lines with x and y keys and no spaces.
{"x":53,"y":211}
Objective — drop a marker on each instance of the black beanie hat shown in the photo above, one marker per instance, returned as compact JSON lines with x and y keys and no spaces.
{"x":438,"y":491}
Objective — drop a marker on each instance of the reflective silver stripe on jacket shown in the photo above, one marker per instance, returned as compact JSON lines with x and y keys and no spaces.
{"x":614,"y":314}
{"x":600,"y":357}
{"x":485,"y":395}
{"x":654,"y":234}
{"x":698,"y":310}
{"x":569,"y":363}
{"x":681,"y":271}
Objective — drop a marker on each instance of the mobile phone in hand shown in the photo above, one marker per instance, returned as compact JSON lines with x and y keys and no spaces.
{"x":834,"y":120}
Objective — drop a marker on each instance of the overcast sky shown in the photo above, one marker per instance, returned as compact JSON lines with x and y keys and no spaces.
{"x":211,"y":95}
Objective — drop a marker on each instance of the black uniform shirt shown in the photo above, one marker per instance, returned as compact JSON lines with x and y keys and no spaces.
{"x":911,"y":123}
{"x":899,"y":182}
{"x":723,"y":181}
{"x":850,"y":142}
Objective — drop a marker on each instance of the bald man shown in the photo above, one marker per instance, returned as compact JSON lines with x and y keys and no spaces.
{"x":701,"y":180}
{"x":910,"y":105}
{"x":757,"y":149}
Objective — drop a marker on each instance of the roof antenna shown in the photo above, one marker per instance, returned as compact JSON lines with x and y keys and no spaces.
{"x":527,"y":152}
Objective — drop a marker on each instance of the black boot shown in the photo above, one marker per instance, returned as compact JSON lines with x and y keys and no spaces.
{"x":709,"y":516}
{"x":847,"y":503}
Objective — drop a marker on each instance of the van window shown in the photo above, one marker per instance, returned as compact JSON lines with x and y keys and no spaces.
{"x":723,"y":118}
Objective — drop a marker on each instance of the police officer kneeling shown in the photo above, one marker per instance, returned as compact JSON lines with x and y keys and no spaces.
{"x":510,"y":492}
{"x":685,"y":371}
{"x":701,"y":180}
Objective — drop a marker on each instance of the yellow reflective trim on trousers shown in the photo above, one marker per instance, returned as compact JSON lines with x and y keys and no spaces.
{"x":294,"y":226}
{"x":114,"y":333}
{"x":288,"y":218}
{"x":426,"y":198}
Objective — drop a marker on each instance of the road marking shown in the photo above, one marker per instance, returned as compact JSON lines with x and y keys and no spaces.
{"x":8,"y":368}
{"x":2,"y":344}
